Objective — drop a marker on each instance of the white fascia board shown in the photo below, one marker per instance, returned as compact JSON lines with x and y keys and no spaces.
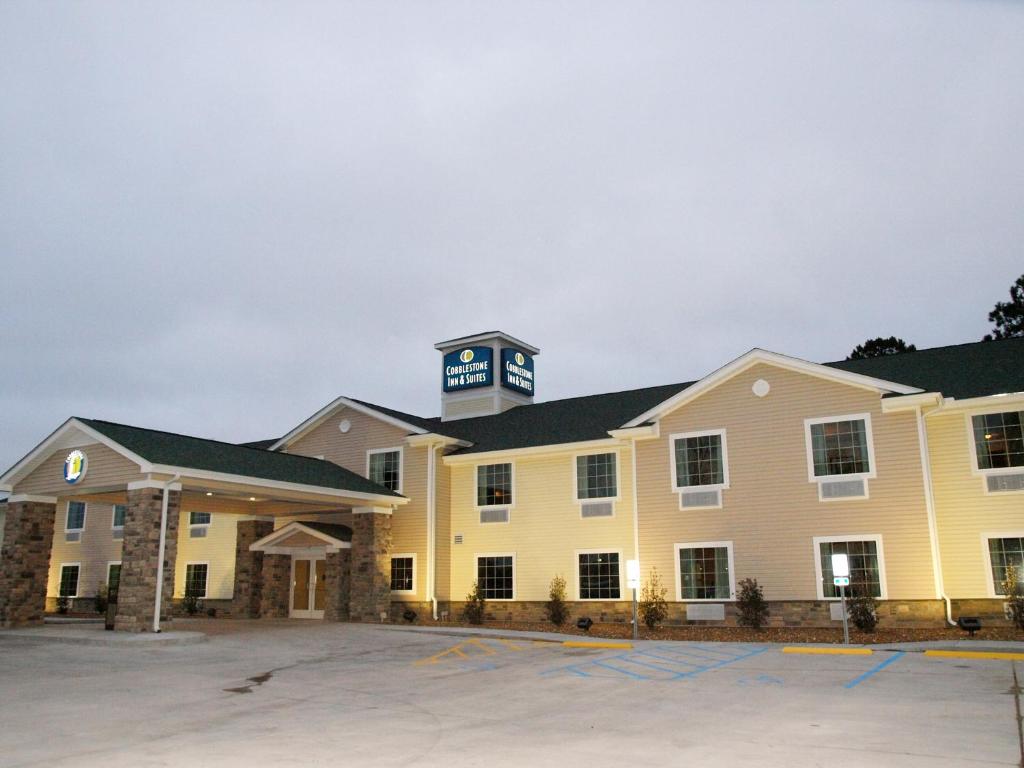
{"x":646,"y":432}
{"x":1009,"y":399}
{"x":509,"y":454}
{"x":910,"y":402}
{"x":465,"y":341}
{"x":202,"y":474}
{"x":433,"y":438}
{"x":756,"y":356}
{"x":285,"y":531}
{"x":36,"y":456}
{"x":326,"y":411}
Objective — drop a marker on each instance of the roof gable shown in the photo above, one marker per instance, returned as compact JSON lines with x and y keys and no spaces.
{"x":305,"y":534}
{"x":395,"y":418}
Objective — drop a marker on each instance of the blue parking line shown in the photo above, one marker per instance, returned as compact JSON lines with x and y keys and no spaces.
{"x":620,"y":671}
{"x":878,"y":668}
{"x":669,"y":659}
{"x":724,"y":662}
{"x":704,"y":657}
{"x":721,"y":651}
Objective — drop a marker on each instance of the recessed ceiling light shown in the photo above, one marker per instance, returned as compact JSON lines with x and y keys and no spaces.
{"x":209,"y":493}
{"x":252,"y":498}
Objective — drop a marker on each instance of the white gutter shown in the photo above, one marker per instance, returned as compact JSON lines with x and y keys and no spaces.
{"x":160,"y":552}
{"x":431,"y":525}
{"x":636,"y":517}
{"x":933,"y":527}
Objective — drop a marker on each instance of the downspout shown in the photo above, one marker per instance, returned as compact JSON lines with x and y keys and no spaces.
{"x":160,"y":552}
{"x":933,"y":528}
{"x":636,"y":519}
{"x":431,"y":526}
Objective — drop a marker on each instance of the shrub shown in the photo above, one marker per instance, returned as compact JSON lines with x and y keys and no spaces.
{"x":473,"y":610}
{"x":63,"y":604}
{"x":1014,"y":596}
{"x":863,"y":609}
{"x":652,"y":606}
{"x":100,"y":601}
{"x":556,"y":608}
{"x":191,"y":602}
{"x":751,"y":605}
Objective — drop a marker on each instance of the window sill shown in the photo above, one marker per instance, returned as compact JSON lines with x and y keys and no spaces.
{"x":707,"y":600}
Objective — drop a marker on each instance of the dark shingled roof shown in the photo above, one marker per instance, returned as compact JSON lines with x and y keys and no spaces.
{"x":214,"y":456}
{"x":962,"y":370}
{"x":262,"y":444}
{"x":340,"y":532}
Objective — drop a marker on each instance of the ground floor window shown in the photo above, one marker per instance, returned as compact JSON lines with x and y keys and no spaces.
{"x":1002,"y":554}
{"x":403,"y":568}
{"x":705,"y":571}
{"x":865,"y":569}
{"x":495,"y":575}
{"x":113,"y":578}
{"x":195,"y":579}
{"x":69,"y":580}
{"x":599,"y":575}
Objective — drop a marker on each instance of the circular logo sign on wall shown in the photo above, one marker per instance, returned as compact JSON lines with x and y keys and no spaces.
{"x":520,"y":358}
{"x":75,"y":466}
{"x":466,"y":356}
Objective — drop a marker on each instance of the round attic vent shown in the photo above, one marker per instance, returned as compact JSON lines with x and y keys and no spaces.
{"x":761,"y":388}
{"x":345,"y":425}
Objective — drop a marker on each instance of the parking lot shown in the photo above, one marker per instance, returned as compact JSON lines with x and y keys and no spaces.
{"x":289,"y":693}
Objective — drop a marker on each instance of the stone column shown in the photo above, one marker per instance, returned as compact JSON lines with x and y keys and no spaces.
{"x":245,"y":601}
{"x":371,"y":563}
{"x":338,"y":574}
{"x":25,"y":561}
{"x":136,"y":592}
{"x":276,"y":584}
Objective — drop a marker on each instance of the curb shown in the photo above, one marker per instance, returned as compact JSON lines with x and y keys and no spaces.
{"x":828,"y":651}
{"x":976,"y":655}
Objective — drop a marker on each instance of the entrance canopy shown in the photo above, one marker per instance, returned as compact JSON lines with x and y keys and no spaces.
{"x":304,"y":536}
{"x":100,"y":458}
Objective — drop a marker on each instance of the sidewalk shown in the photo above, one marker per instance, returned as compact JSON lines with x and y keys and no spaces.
{"x":96,"y":635}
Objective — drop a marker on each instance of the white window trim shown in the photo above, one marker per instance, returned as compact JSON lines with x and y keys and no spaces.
{"x":113,"y":516}
{"x":192,"y":525}
{"x":515,"y":573}
{"x":476,"y":488}
{"x":85,"y":516}
{"x":622,"y":574}
{"x":78,"y":582}
{"x":875,"y":537}
{"x":676,"y":488}
{"x":575,"y":480}
{"x":401,"y":463}
{"x":206,"y":585}
{"x":868,"y":436}
{"x":986,"y":473}
{"x":986,"y":557}
{"x":727,"y":545}
{"x":398,"y":556}
{"x":110,"y":563}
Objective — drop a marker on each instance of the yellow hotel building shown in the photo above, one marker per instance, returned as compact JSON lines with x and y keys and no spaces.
{"x":912,"y":464}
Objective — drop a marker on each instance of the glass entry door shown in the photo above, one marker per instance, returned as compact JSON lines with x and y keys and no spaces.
{"x":309,"y":588}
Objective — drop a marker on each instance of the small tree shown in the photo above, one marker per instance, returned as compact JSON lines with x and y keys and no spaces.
{"x":1014,"y":595}
{"x":556,"y":608}
{"x":879,"y":347}
{"x":100,"y":601}
{"x":862,"y":608}
{"x":1007,"y":317}
{"x":652,"y":606}
{"x":473,"y":610}
{"x":750,"y":602}
{"x":191,"y":601}
{"x":63,"y":604}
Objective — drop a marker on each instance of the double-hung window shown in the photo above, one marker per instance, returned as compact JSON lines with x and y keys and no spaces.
{"x":74,"y":522}
{"x":196,"y":577}
{"x":840,"y":455}
{"x":199,"y":524}
{"x":494,"y":492}
{"x":700,"y":467}
{"x":69,"y":580}
{"x":117,"y":522}
{"x":495,"y":576}
{"x":599,"y":575}
{"x":705,"y":571}
{"x":597,"y":484}
{"x":403,"y":573}
{"x":999,"y":449}
{"x":384,"y":467}
{"x":1004,"y":552}
{"x":867,"y":575}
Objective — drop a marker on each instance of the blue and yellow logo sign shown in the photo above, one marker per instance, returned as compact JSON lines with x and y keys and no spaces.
{"x":468,"y":368}
{"x":517,"y":371}
{"x":74,"y":466}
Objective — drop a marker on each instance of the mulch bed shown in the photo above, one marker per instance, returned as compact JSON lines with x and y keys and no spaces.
{"x":764,"y":635}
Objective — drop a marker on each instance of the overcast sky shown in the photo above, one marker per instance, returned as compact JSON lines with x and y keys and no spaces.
{"x":215,"y":218}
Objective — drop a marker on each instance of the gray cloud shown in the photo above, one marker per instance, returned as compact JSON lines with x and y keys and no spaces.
{"x":218,"y":217}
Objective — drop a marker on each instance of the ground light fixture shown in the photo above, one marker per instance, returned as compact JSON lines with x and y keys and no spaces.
{"x":409,"y":615}
{"x":585,"y":623}
{"x":969,"y":624}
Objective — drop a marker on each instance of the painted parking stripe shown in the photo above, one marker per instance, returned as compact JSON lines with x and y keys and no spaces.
{"x":976,"y":655}
{"x":875,"y":669}
{"x":827,"y":651}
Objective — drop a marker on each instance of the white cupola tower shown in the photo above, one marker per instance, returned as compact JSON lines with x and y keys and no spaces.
{"x":485,"y":374}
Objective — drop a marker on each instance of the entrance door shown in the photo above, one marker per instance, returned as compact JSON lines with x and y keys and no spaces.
{"x":309,"y":589}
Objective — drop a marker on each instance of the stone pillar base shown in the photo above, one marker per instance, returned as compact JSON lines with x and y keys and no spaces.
{"x":247,"y":595}
{"x":136,"y":594}
{"x":338,"y":576}
{"x":25,"y":562}
{"x":371,"y":564}
{"x":276,"y":584}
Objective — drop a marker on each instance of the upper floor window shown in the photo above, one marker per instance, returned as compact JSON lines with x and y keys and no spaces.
{"x":384,"y":467}
{"x":999,"y":440}
{"x":840,"y":446}
{"x":120,"y":510}
{"x":494,"y":485}
{"x":699,"y":460}
{"x":198,"y":524}
{"x":596,"y":476}
{"x":76,"y":516}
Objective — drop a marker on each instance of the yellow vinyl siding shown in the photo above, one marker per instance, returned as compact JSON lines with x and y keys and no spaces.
{"x":443,"y":530}
{"x":105,"y":468}
{"x":217,"y":548}
{"x":545,"y":528}
{"x":771,"y":511}
{"x":96,"y":548}
{"x":963,"y":510}
{"x":349,"y":450}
